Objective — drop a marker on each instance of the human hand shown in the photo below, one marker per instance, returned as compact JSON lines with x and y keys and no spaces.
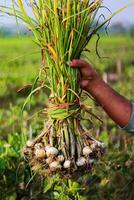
{"x":111,"y":101}
{"x":87,"y":73}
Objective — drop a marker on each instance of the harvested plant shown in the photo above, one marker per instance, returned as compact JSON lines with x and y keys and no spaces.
{"x":62,"y":29}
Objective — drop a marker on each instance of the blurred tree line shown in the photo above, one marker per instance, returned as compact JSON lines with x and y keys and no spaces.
{"x":115,"y":29}
{"x":120,"y":29}
{"x":13,"y":30}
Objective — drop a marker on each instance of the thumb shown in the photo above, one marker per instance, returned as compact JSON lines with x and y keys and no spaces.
{"x":78,"y":63}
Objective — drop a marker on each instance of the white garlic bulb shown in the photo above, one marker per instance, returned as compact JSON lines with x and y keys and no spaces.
{"x":38,"y":145}
{"x":60,"y":158}
{"x":91,"y":161}
{"x":67,"y":164}
{"x":49,"y":160}
{"x":29,"y":143}
{"x":93,"y":146}
{"x":51,"y":151}
{"x":87,"y":150}
{"x":81,"y":162}
{"x":55,"y":165}
{"x":40,"y":153}
{"x":47,"y":147}
{"x":35,"y":167}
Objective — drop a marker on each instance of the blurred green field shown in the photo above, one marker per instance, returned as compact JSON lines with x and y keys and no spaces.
{"x":20,"y":61}
{"x":112,"y":178}
{"x":20,"y":58}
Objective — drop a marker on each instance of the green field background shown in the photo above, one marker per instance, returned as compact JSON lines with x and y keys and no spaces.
{"x":113,"y":177}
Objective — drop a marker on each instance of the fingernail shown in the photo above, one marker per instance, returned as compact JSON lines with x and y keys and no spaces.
{"x":74,"y":62}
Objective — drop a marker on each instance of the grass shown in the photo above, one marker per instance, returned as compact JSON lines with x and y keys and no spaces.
{"x":123,"y":50}
{"x":19,"y":66}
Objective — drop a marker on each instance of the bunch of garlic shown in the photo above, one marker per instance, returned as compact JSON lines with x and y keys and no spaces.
{"x":53,"y":159}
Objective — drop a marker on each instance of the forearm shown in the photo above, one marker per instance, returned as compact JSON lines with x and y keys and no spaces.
{"x":115,"y":105}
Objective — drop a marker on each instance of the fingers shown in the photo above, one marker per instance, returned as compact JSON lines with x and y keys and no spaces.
{"x":78,"y":63}
{"x":84,"y":84}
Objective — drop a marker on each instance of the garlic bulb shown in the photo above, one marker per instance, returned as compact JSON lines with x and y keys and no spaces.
{"x":55,"y":165}
{"x":38,"y":145}
{"x":40,"y":153}
{"x":81,"y":162}
{"x":93,"y":146}
{"x":49,"y":160}
{"x":47,"y":147}
{"x":35,"y":167}
{"x":67,"y":164}
{"x":87,"y":150}
{"x":51,"y":151}
{"x":27,"y":152}
{"x":91,"y":161}
{"x":60,"y":158}
{"x":29,"y":143}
